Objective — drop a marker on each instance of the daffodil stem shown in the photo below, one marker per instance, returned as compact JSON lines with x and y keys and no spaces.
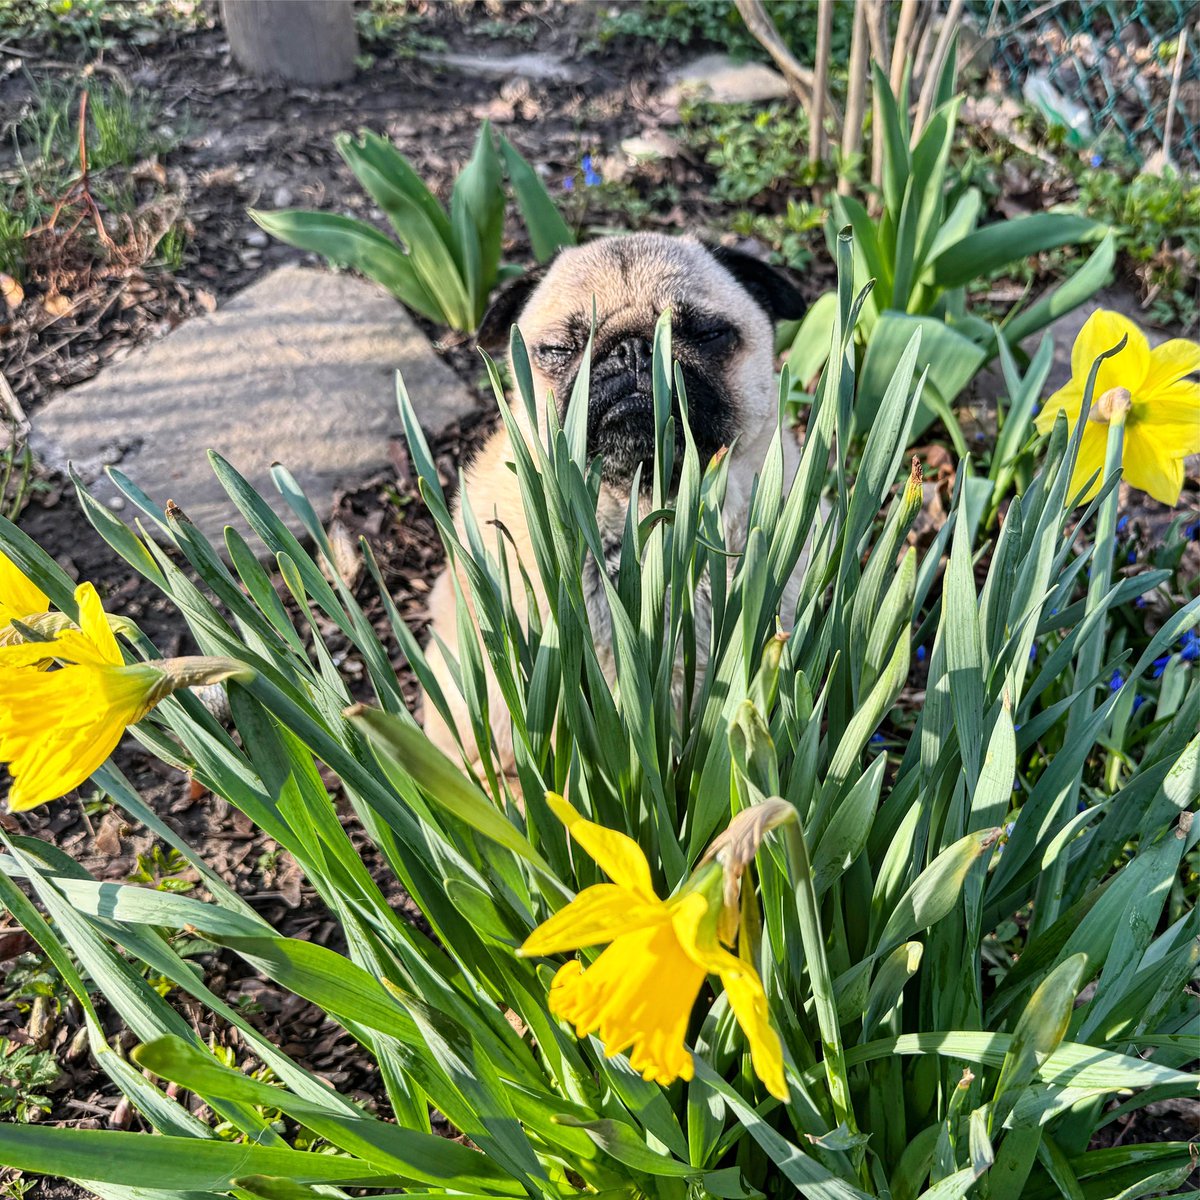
{"x":818,"y":973}
{"x":1090,"y":656}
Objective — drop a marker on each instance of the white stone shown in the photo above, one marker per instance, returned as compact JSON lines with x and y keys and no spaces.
{"x":297,"y":369}
{"x":717,"y":78}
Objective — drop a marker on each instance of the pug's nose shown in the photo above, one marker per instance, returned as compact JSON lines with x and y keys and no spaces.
{"x":635,"y":355}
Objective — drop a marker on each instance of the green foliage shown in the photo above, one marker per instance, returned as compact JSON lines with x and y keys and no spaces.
{"x":25,"y":1074}
{"x":790,"y":234}
{"x":717,"y":23}
{"x":446,"y":263}
{"x":754,"y":149}
{"x":1154,"y":220}
{"x":925,"y":250}
{"x":123,"y":128}
{"x":83,"y":29}
{"x":895,"y":941}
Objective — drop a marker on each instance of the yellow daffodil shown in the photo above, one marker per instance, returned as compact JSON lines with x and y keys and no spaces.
{"x":639,"y":994}
{"x":20,"y":598}
{"x":1162,"y":420}
{"x":58,"y":726}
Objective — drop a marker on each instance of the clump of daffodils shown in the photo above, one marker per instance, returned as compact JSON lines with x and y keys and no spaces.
{"x":638,"y":995}
{"x":1148,"y":390}
{"x":66,"y":693}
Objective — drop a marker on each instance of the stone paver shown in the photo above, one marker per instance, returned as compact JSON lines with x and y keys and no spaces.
{"x":537,"y":67}
{"x":298,"y":369}
{"x":716,"y":77}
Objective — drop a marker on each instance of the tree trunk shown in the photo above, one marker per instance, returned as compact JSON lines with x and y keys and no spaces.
{"x":302,"y":41}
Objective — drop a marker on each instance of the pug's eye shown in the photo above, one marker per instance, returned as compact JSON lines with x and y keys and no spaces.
{"x":552,"y":356}
{"x":712,"y":336}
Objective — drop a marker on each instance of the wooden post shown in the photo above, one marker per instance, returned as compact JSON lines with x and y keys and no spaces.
{"x":302,"y":41}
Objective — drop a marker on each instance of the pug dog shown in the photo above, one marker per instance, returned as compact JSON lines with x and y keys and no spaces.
{"x":724,"y":305}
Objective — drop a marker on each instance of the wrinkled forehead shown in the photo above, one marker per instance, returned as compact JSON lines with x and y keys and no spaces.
{"x":633,"y":280}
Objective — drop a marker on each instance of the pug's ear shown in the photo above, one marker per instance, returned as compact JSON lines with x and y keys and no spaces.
{"x":770,"y":288}
{"x":506,"y":305}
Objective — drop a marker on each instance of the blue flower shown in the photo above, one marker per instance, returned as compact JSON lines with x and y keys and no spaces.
{"x":877,"y":739}
{"x":1097,"y":160}
{"x":1082,"y":806}
{"x":1009,"y":827}
{"x":1033,"y":654}
{"x":1160,"y":665}
{"x":1122,"y":523}
{"x":591,"y":176}
{"x":1193,"y":531}
{"x":921,"y":654}
{"x":1132,"y":556}
{"x":1033,"y":412}
{"x":1116,"y":682}
{"x":1190,"y":648}
{"x":569,"y":183}
{"x":1140,"y":602}
{"x":1138,"y":701}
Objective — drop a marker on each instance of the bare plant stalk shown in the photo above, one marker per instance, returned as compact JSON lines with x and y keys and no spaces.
{"x":903,"y":48}
{"x":923,"y":39}
{"x":816,"y":133}
{"x":856,"y":94}
{"x":877,"y":27}
{"x":800,"y":79}
{"x":1173,"y":98}
{"x":934,"y":70}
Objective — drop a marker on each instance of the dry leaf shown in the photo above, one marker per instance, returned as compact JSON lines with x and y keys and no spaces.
{"x":206,"y":300}
{"x":56,"y":304}
{"x":12,"y":291}
{"x":346,"y":560}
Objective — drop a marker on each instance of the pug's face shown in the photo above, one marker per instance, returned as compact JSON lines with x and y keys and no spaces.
{"x":723,"y":305}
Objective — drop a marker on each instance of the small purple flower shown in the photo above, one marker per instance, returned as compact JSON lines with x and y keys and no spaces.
{"x":920,"y":654}
{"x":1097,"y":160}
{"x":1033,"y":654}
{"x":1190,"y":648}
{"x":1140,"y":602}
{"x":1122,"y":523}
{"x":1160,"y":665}
{"x":1116,"y":682}
{"x":1193,"y":531}
{"x":1016,"y":729}
{"x":569,"y":183}
{"x":1131,"y":557}
{"x":1033,"y":412}
{"x":591,"y":177}
{"x":1082,"y":806}
{"x":877,"y":739}
{"x":1138,"y":701}
{"x":1009,"y":827}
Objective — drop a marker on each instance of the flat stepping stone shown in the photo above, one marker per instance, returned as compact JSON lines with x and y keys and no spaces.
{"x":297,"y":369}
{"x":718,"y":79}
{"x":535,"y":67}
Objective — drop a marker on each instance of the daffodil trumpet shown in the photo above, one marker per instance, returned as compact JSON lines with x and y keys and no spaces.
{"x":639,"y":993}
{"x":59,"y":725}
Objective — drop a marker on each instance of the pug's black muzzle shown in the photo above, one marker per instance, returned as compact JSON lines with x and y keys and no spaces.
{"x":621,"y":408}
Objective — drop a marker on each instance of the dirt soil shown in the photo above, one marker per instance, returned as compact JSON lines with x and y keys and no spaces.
{"x":248,"y":144}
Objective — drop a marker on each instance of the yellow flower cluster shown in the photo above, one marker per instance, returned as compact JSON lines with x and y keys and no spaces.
{"x":639,"y":993}
{"x":1162,"y":421}
{"x":66,"y":692}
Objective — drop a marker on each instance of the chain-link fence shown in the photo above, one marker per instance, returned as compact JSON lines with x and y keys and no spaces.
{"x":1108,"y":70}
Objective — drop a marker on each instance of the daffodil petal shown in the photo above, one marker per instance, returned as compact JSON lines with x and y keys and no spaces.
{"x":1068,"y":399}
{"x":598,"y":914}
{"x":616,"y":854}
{"x":93,"y":621}
{"x":1101,"y":332}
{"x":57,"y":727}
{"x":1092,"y":451}
{"x":744,"y":989}
{"x":1171,"y":415}
{"x":20,"y":597}
{"x":1172,"y":361}
{"x":26,"y":654}
{"x":1151,"y":470}
{"x":636,"y":997}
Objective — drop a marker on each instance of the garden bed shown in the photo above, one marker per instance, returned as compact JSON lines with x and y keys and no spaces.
{"x":243,"y":144}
